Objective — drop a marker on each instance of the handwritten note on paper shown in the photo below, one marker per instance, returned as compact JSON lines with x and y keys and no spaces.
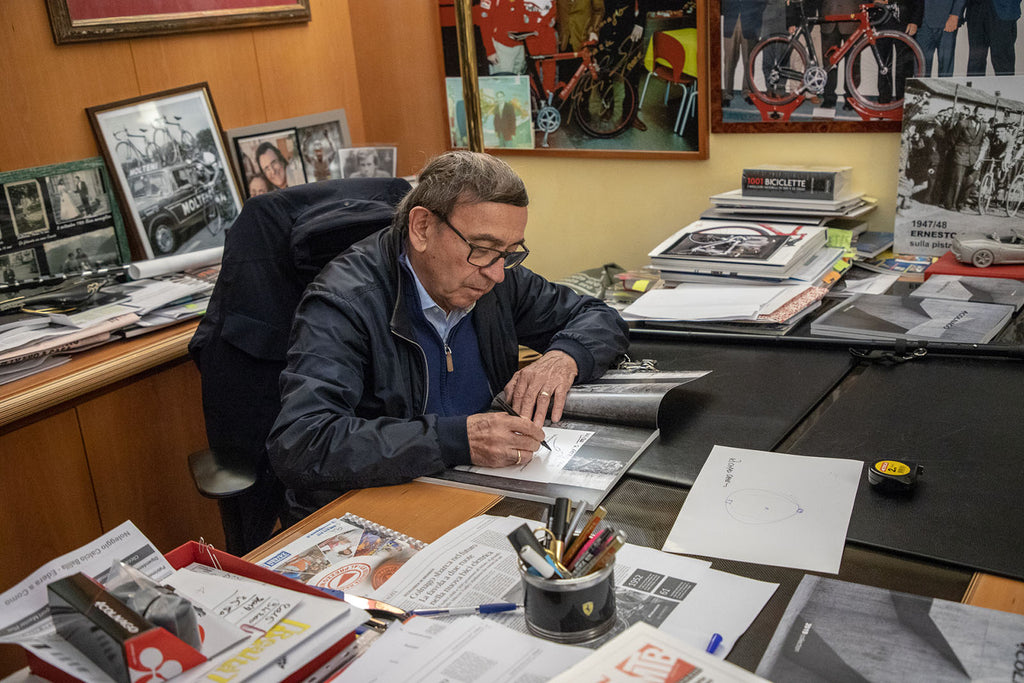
{"x":768,"y":508}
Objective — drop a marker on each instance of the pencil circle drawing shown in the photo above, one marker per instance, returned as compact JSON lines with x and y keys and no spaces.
{"x":758,"y":506}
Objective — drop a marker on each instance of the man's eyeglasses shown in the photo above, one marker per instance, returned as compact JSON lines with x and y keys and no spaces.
{"x":483,"y":257}
{"x":275,"y":165}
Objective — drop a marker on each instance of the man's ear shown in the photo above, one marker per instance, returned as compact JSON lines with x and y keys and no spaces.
{"x":420,"y":223}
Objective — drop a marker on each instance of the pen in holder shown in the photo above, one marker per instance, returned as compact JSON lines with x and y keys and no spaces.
{"x":570,"y":610}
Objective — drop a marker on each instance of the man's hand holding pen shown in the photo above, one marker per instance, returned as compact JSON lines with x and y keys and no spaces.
{"x":542,"y":386}
{"x":502,"y":440}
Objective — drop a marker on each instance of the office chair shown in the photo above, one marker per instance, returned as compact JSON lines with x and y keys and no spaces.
{"x":669,"y":63}
{"x":277,"y":245}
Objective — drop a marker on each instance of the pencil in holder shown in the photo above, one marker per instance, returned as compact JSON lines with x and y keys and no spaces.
{"x":570,"y":610}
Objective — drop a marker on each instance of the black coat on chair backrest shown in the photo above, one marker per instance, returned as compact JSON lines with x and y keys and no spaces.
{"x":277,"y":245}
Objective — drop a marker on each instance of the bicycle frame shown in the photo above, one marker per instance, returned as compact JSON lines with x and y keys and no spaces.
{"x":864,"y":28}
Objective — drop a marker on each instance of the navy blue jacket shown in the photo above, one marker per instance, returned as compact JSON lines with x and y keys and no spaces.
{"x":354,"y":393}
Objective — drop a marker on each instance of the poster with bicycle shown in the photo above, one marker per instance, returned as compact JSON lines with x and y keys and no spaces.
{"x":961,"y":162}
{"x":842,"y":65}
{"x":57,"y":221}
{"x":614,"y":78}
{"x":170,"y":169}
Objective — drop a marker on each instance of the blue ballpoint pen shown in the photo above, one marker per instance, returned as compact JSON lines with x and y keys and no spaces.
{"x":489,"y":608}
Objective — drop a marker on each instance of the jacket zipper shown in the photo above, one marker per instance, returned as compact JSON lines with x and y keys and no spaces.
{"x":448,"y":357}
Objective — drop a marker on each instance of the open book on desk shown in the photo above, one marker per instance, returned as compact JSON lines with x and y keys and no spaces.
{"x":605,"y":426}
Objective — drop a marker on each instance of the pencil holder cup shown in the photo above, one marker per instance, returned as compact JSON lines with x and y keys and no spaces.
{"x":570,"y":610}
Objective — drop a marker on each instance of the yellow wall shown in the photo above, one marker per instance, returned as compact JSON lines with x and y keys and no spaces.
{"x":587,"y":213}
{"x":381,"y":62}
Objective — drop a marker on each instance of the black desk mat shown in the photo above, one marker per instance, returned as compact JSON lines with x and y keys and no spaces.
{"x":647,"y":511}
{"x":963,"y":420}
{"x":755,"y":395}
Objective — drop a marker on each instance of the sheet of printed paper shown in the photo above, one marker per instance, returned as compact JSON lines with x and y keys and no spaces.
{"x":645,"y":653}
{"x":467,"y":648}
{"x":768,"y":508}
{"x":549,"y":466}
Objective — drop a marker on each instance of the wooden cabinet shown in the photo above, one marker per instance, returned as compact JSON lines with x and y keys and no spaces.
{"x":100,"y":440}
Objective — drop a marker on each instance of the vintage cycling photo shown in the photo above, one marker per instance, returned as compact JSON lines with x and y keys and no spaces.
{"x":58,"y":221}
{"x":607,"y":77}
{"x":961,"y":164}
{"x":170,"y":168}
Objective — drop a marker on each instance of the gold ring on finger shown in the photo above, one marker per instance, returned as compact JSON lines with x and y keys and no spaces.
{"x":519,"y":457}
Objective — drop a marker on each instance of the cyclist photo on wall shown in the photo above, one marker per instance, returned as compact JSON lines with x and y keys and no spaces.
{"x":601,"y":75}
{"x":846,"y":62}
{"x":171,"y":169}
{"x":961,"y":164}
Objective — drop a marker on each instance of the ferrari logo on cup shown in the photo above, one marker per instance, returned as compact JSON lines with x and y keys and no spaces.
{"x":588,"y":608}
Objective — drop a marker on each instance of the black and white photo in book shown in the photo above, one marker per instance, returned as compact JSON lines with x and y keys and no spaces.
{"x":961,"y":164}
{"x":170,"y":168}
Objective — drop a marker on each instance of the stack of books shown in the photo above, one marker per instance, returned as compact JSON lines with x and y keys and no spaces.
{"x":742,"y":249}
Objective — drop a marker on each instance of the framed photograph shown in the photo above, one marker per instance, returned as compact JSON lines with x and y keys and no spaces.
{"x":58,"y":220}
{"x":609,"y":78}
{"x":305,"y":149}
{"x":843,"y":70}
{"x":961,"y":168}
{"x":170,"y":169}
{"x":75,"y":21}
{"x":370,"y":162}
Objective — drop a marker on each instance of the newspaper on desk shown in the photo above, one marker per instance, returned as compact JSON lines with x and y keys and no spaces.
{"x":475,"y":564}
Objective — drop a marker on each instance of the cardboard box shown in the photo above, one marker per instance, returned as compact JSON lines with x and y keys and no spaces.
{"x":109,"y":633}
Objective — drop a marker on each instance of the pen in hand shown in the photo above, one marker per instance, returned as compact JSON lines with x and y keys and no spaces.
{"x":507,"y":407}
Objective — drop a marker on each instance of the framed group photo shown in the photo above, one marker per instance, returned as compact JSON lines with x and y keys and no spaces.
{"x":614,"y":79}
{"x":170,"y":169}
{"x":305,"y":149}
{"x":84,"y":20}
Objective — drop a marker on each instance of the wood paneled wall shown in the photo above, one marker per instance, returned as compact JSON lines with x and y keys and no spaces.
{"x":357,"y":55}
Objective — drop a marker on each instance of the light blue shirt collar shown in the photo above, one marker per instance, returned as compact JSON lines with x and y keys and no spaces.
{"x":435,"y":315}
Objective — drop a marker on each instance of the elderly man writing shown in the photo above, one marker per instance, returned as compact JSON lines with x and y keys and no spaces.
{"x":401,"y":343}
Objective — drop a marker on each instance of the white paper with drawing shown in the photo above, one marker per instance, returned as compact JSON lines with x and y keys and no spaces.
{"x":550,"y":466}
{"x":768,"y":508}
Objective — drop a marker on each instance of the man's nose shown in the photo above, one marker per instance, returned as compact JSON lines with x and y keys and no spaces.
{"x":495,"y":271}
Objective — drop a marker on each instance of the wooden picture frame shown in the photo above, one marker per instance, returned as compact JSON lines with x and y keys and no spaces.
{"x":307,"y":147}
{"x":59,"y":220}
{"x":172,"y":175}
{"x":733,"y":110}
{"x":571,"y":109}
{"x":75,"y":21}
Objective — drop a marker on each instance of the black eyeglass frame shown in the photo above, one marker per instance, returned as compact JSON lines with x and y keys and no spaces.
{"x":518,"y":256}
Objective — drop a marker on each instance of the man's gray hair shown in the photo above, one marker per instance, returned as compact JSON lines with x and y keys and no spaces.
{"x":461,"y":177}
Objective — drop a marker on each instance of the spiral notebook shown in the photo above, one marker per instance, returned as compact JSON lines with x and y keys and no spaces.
{"x":349,"y":553}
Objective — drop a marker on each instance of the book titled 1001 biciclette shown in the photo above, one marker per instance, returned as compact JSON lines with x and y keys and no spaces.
{"x":797,"y":182}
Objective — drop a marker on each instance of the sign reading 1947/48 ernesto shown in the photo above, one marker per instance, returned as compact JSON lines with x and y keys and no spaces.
{"x":961,"y":164}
